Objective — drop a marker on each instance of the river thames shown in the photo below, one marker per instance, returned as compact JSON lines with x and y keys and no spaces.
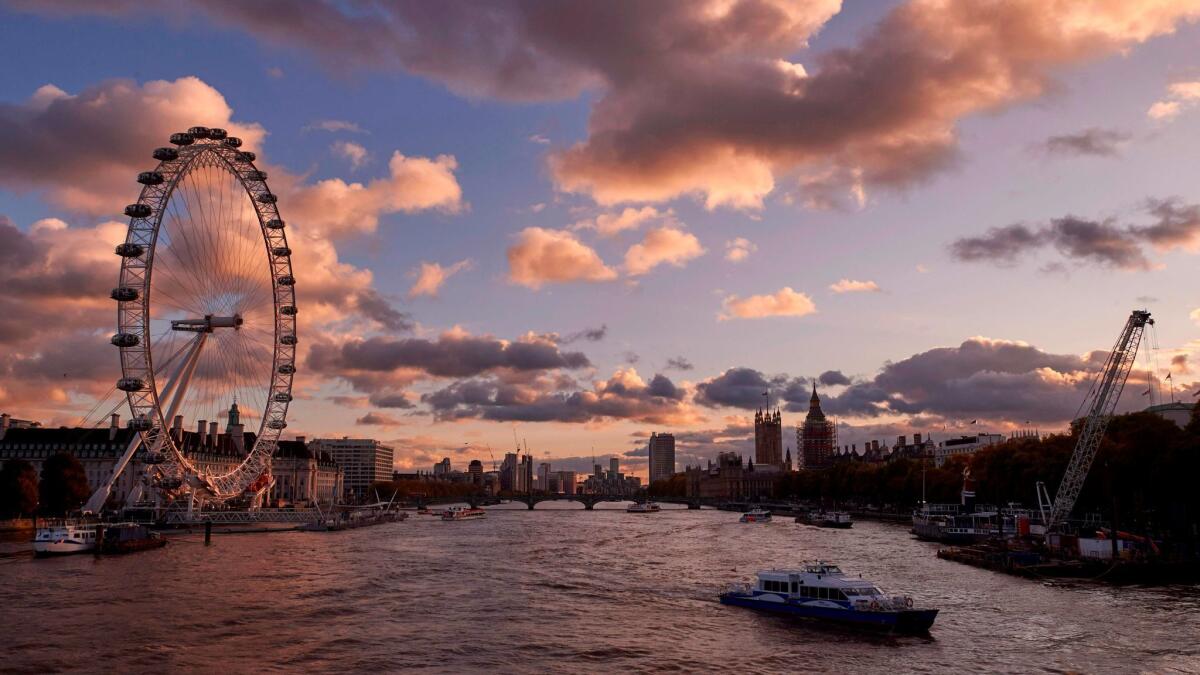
{"x":558,"y":590}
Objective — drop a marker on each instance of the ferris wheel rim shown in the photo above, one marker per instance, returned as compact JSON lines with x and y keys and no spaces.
{"x":134,"y":298}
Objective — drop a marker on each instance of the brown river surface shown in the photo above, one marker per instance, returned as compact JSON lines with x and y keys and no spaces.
{"x":558,"y":590}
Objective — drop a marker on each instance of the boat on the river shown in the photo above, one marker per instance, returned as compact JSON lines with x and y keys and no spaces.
{"x":463,"y":513}
{"x":756,"y":516}
{"x":129,"y":538}
{"x":833,"y":519}
{"x":820,"y":590}
{"x":353,"y":517}
{"x":64,"y":536}
{"x":643,"y":507}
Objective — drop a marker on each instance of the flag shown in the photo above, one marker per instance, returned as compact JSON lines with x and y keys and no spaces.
{"x":974,"y":421}
{"x":1146,"y":393}
{"x":1168,"y":376}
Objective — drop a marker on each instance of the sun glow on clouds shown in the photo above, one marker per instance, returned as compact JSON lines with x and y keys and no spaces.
{"x":543,"y":256}
{"x":431,"y":277}
{"x":854,"y":286}
{"x":784,"y":302}
{"x":663,"y":245}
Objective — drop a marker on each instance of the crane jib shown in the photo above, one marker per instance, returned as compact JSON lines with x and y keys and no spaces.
{"x":1104,"y":397}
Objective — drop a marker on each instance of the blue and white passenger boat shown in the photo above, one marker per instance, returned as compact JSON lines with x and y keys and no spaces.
{"x":820,"y":590}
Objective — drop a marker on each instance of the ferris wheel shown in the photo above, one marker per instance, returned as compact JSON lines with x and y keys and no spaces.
{"x":206,"y":314}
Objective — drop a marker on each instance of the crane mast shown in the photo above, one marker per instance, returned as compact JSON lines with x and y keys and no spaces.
{"x":1105,"y":393}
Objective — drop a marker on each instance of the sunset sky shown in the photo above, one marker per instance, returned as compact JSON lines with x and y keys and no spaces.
{"x":594,"y":220}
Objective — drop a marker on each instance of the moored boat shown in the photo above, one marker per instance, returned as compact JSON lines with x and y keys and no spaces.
{"x":463,"y":513}
{"x":819,"y":590}
{"x":643,"y":507}
{"x":833,"y":519}
{"x":129,"y":538}
{"x":756,"y":516}
{"x":64,"y":537}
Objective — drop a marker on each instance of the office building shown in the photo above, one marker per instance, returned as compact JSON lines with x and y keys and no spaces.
{"x":363,"y":461}
{"x":661,"y":457}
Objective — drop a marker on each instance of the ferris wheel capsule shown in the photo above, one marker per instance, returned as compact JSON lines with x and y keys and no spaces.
{"x":125,"y":340}
{"x":129,"y":250}
{"x":246,"y":156}
{"x":217,"y":134}
{"x":138,"y":210}
{"x":287,"y":369}
{"x":166,"y":154}
{"x":182,"y":139}
{"x":233,"y":142}
{"x":267,"y":198}
{"x":274,"y":224}
{"x":150,"y":178}
{"x":124,"y":294}
{"x":256,"y":175}
{"x":198,"y":132}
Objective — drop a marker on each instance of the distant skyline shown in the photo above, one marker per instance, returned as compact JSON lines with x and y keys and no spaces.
{"x":597,"y":220}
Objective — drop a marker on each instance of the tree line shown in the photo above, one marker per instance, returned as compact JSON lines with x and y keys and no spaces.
{"x":62,"y":487}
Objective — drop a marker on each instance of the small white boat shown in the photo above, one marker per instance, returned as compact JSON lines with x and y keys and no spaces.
{"x":463,"y":513}
{"x":64,"y":537}
{"x":756,"y":516}
{"x":643,"y":507}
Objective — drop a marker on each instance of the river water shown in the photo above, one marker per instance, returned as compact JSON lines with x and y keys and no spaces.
{"x":558,"y":590}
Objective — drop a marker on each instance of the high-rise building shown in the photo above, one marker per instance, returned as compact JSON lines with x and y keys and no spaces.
{"x":566,"y":480}
{"x":525,"y":474}
{"x":614,"y":467}
{"x":817,"y":439}
{"x":475,"y":470}
{"x":768,"y":438}
{"x":508,"y":472}
{"x":363,"y":461}
{"x":543,"y":477}
{"x":442,"y":468}
{"x":661,"y":456}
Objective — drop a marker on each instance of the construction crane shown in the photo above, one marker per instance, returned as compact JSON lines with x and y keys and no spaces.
{"x":1101,"y":402}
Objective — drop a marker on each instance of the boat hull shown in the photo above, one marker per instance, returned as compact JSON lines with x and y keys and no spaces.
{"x":46,"y":549}
{"x":901,"y":621}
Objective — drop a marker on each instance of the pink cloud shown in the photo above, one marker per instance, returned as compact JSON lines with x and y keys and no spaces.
{"x":784,"y":302}
{"x":543,"y":256}
{"x":663,"y":245}
{"x":431,"y":277}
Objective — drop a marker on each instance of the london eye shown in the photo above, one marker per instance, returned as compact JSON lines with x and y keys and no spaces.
{"x":206,"y":315}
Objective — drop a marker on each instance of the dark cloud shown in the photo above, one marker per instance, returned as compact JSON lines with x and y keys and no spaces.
{"x":679,"y":363}
{"x":1177,"y":224}
{"x":694,"y":97}
{"x":373,"y":306}
{"x":1000,"y":245}
{"x":623,"y":396}
{"x":1179,"y":363}
{"x":450,"y":355}
{"x":735,"y":388}
{"x":377,"y":419}
{"x":744,"y":387}
{"x":1100,"y":242}
{"x":589,"y":334}
{"x":833,"y":378}
{"x":391,"y":400}
{"x":981,"y":378}
{"x":1094,"y":142}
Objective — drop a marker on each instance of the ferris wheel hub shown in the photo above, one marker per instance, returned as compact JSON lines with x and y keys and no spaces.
{"x":208,"y":323}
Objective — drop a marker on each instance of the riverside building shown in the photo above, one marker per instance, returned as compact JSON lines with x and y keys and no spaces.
{"x":363,"y":461}
{"x":661,"y":456}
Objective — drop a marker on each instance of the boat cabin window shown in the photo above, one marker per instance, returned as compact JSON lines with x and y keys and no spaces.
{"x":774,"y":586}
